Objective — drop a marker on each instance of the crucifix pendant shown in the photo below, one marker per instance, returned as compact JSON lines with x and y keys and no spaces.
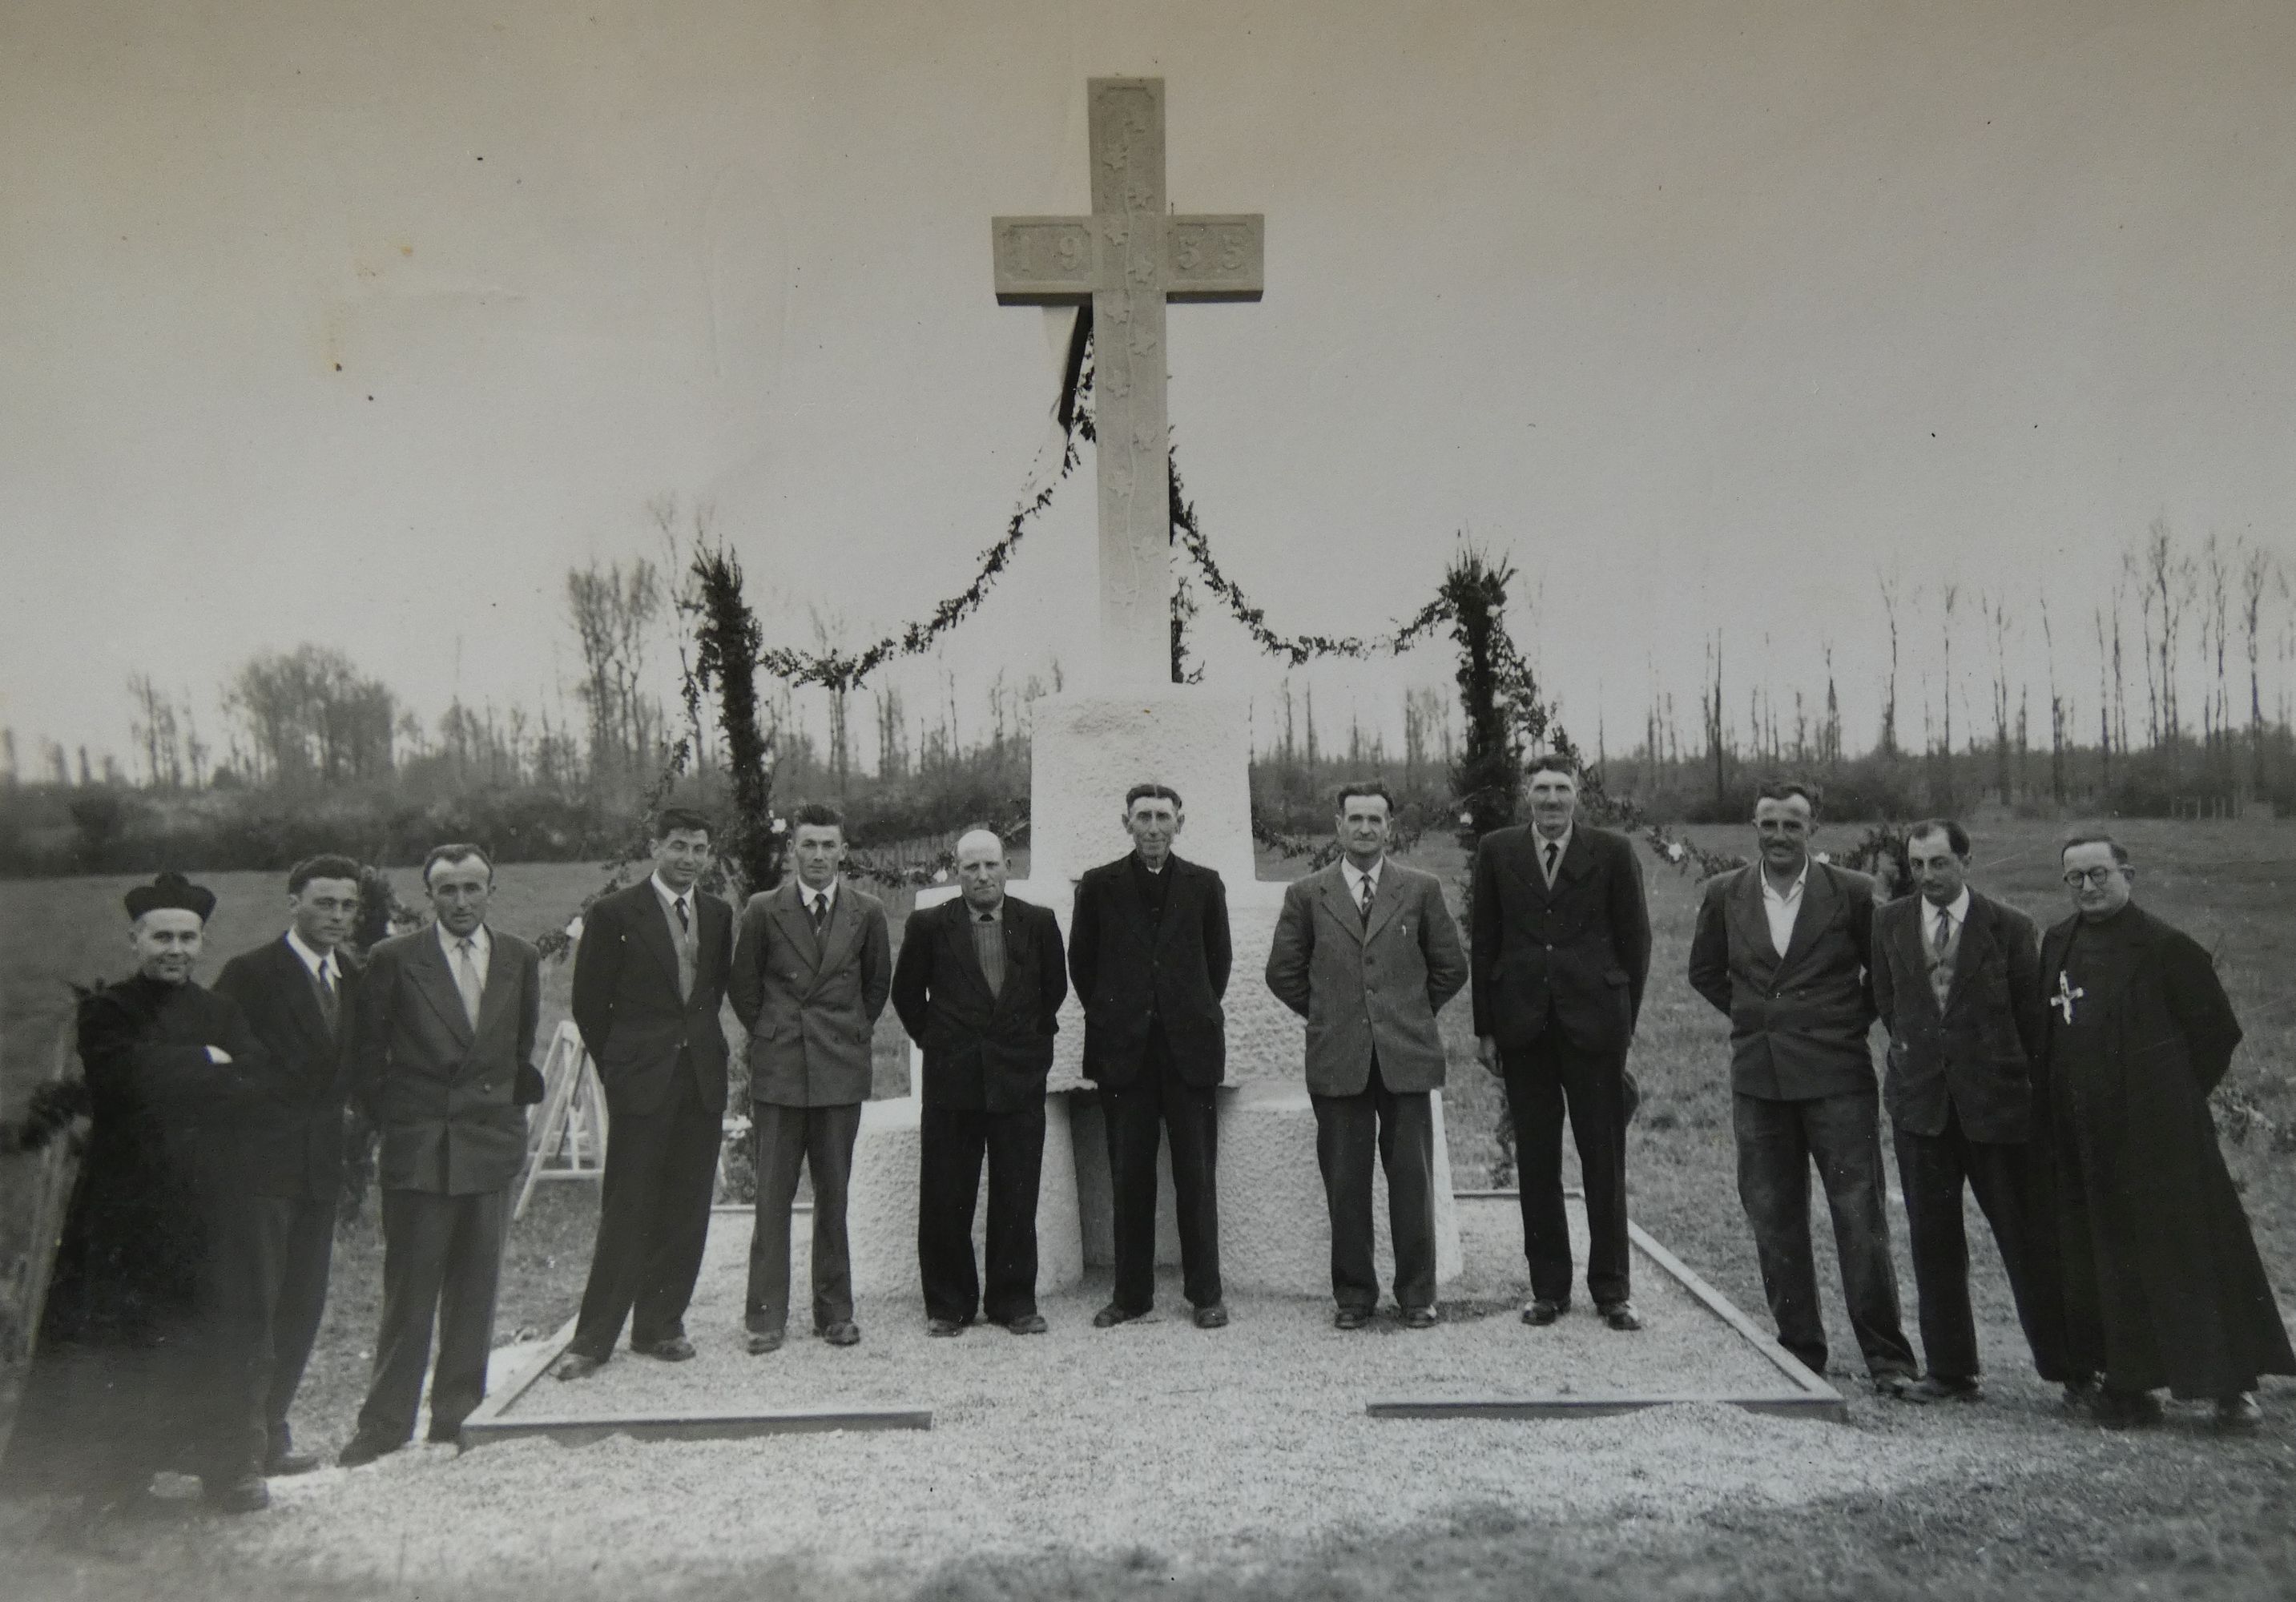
{"x":2067,"y":994}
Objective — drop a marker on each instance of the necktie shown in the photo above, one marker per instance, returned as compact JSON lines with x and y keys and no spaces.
{"x":1944,"y":933}
{"x":684,"y":949}
{"x":1364,"y":906}
{"x":328,"y":999}
{"x":1554,"y":851}
{"x":466,"y":976}
{"x":820,"y":904}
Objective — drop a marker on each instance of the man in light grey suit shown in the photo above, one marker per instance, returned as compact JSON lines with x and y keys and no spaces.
{"x":812,"y":967}
{"x":442,"y":1055}
{"x":1367,"y":951}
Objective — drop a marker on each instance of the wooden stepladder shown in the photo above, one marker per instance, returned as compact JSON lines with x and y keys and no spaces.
{"x":569,"y":1138}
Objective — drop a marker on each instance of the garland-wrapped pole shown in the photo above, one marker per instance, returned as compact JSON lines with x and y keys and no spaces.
{"x":727,"y":639}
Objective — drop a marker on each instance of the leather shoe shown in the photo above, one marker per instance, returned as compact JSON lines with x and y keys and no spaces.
{"x":1212,"y":1315}
{"x":1620,"y":1315}
{"x":1115,"y":1313}
{"x":444,"y":1435}
{"x":1895,"y":1386}
{"x":944,"y":1328}
{"x":1539,"y":1313}
{"x":286,"y":1462}
{"x":1028,"y":1323}
{"x":2239,"y":1411}
{"x":575,"y":1365}
{"x":2080,"y":1392}
{"x":241,"y":1494}
{"x":1419,"y":1318}
{"x":757,"y":1343}
{"x":1936,"y":1387}
{"x":1350,"y":1318}
{"x":845,"y":1334}
{"x":364,"y":1448}
{"x":2125,"y":1410}
{"x":671,"y":1349}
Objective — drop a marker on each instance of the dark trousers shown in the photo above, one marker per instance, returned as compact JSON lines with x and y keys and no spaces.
{"x":1544,"y":1079}
{"x":441,"y":1257}
{"x":653,"y":1220}
{"x":1933,"y":1168}
{"x":269,"y":1257}
{"x":1777,"y":1140}
{"x":952,"y":1141}
{"x":784,"y":1140}
{"x":1159,"y":1101}
{"x":1401,"y":1125}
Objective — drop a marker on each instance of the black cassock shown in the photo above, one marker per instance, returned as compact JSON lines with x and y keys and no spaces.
{"x":2163,"y":1286}
{"x":117,"y":1386}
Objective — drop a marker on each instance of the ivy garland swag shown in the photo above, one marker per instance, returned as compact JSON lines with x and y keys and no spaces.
{"x":1506,"y":714}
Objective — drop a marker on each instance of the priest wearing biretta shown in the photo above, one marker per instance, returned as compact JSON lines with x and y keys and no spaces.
{"x":117,"y":1389}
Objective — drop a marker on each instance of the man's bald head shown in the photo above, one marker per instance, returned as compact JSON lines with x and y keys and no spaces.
{"x":980,"y":868}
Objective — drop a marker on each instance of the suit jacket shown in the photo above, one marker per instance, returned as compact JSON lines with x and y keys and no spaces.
{"x":981,"y":1050}
{"x":810,"y":1006}
{"x":1797,"y":1022}
{"x":444,"y":1094}
{"x":1578,"y":953}
{"x":634,"y":1025}
{"x":1366,"y":990}
{"x":1131,"y":971}
{"x":1978,"y":1054}
{"x":292,"y":1143}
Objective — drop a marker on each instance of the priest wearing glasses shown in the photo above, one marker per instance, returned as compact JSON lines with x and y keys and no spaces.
{"x":2164,"y":1287}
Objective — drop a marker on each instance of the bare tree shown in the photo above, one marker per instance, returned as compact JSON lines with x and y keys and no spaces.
{"x":613,"y":611}
{"x":1997,"y":617}
{"x":2255,"y":573}
{"x":1887,"y":744}
{"x":156,"y":731}
{"x":310,"y":714}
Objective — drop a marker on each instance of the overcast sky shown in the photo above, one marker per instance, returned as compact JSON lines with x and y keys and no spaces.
{"x":360,"y":323}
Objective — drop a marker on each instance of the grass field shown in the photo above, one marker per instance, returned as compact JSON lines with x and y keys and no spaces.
{"x":2178,"y":1512}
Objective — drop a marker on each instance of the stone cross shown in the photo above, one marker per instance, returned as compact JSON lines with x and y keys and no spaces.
{"x":1128,"y":259}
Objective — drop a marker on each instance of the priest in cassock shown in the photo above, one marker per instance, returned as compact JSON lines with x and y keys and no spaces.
{"x":119,"y":1387}
{"x":2164,"y":1287}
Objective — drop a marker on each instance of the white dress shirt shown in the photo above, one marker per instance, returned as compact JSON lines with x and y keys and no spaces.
{"x":1955,"y":914}
{"x":323,"y":966}
{"x":482,"y":949}
{"x":669,"y":900}
{"x":1357,"y":878}
{"x":1561,"y":840}
{"x":1782,"y":909}
{"x":807,"y":895}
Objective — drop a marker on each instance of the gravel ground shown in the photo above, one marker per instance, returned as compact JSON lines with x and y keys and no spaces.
{"x":1178,"y":1447}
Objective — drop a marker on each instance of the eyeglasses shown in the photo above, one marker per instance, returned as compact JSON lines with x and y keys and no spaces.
{"x":2097,"y":878}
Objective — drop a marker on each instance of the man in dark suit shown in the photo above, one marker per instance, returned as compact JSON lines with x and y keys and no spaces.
{"x":649,"y":975}
{"x":978,"y":987}
{"x":2163,"y":1285}
{"x":296,"y":992}
{"x":1367,"y":951}
{"x":812,"y":967}
{"x":1956,"y":982}
{"x":1148,"y":949}
{"x":1783,"y":947}
{"x":1559,"y":943}
{"x":442,"y":1051}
